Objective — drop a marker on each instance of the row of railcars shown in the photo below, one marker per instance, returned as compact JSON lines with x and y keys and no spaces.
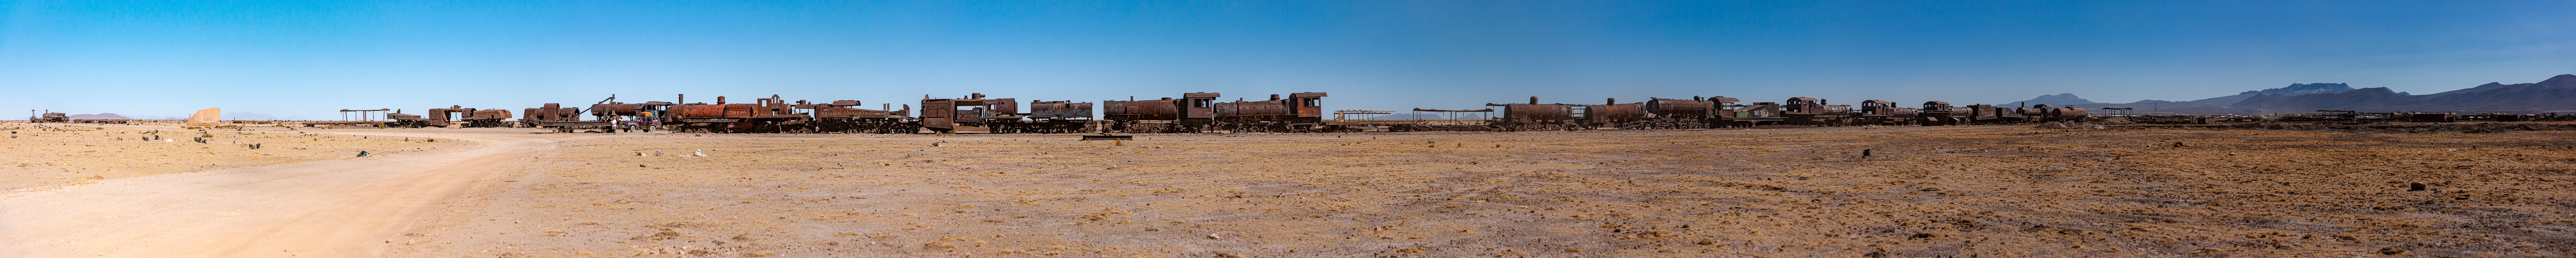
{"x":1197,"y":112}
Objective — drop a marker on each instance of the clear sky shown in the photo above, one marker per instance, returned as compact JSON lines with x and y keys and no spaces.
{"x":311,"y":58}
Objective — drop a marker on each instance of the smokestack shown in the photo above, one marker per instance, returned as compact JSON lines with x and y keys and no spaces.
{"x":1533,"y":100}
{"x":720,"y":100}
{"x":1613,"y":101}
{"x":684,"y":98}
{"x":1274,"y":96}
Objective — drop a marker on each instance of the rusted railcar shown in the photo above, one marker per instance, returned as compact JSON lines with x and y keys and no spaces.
{"x":1613,"y":114}
{"x":49,"y":117}
{"x":1000,"y":115}
{"x":1537,"y":117}
{"x":2444,"y":117}
{"x":1757,"y":114}
{"x":629,"y":117}
{"x":1881,"y":112}
{"x":435,"y":117}
{"x":2048,"y":113}
{"x":2035,"y":113}
{"x":548,"y":113}
{"x":487,"y":118}
{"x":1193,"y":112}
{"x":767,"y":115}
{"x":1941,"y":113}
{"x":839,"y":116}
{"x":1991,"y":114}
{"x":1654,"y":113}
{"x":1298,"y":112}
{"x":1694,"y":113}
{"x":1815,"y":111}
{"x":1062,"y":116}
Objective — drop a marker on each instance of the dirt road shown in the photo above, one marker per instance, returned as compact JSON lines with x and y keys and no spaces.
{"x":329,"y":208}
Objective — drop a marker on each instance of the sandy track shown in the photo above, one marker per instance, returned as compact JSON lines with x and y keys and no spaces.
{"x":332,"y":208}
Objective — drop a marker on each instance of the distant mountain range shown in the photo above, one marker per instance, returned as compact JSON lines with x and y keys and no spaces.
{"x":2554,"y":94}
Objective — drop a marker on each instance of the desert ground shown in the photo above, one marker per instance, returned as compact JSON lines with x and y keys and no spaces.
{"x":1955,"y":191}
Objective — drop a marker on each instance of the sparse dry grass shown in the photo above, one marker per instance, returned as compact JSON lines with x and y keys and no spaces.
{"x":1938,"y":191}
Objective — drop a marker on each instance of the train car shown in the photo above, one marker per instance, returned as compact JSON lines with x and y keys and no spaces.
{"x":629,"y":117}
{"x":550,"y":112}
{"x":487,"y":118}
{"x":1612,"y":114}
{"x":1535,"y":117}
{"x":1941,"y":113}
{"x":1881,"y":112}
{"x":767,"y":115}
{"x":1815,"y":111}
{"x":50,"y":117}
{"x":1757,"y":114}
{"x":1299,"y":112}
{"x":1001,"y":115}
{"x":1694,"y":113}
{"x":1193,"y":112}
{"x":839,"y":117}
{"x":2049,"y":113}
{"x":436,"y":117}
{"x":1991,"y":114}
{"x":1062,"y":116}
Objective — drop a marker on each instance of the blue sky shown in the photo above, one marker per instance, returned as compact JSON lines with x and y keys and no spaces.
{"x":311,"y":58}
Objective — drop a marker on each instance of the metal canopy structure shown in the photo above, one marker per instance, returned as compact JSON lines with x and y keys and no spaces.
{"x":362,"y":115}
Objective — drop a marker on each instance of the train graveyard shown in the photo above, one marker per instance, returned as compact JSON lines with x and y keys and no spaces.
{"x":1780,"y":191}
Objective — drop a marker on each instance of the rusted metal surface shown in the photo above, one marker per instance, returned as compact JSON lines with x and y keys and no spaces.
{"x":1059,"y":110}
{"x":440,"y":117}
{"x":50,"y":117}
{"x":1191,"y":113}
{"x":1000,"y":116}
{"x":1941,"y":113}
{"x":1806,"y":105}
{"x":1297,"y":112}
{"x":2069,"y":113}
{"x":1139,"y":110}
{"x":1533,"y":116}
{"x":1815,"y":111}
{"x":1681,"y":109}
{"x":765,"y":115}
{"x":840,"y":116}
{"x":1881,"y":112}
{"x":1758,"y":113}
{"x":1615,"y":115}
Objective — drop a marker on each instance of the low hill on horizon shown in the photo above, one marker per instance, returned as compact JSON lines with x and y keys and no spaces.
{"x":2554,"y":94}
